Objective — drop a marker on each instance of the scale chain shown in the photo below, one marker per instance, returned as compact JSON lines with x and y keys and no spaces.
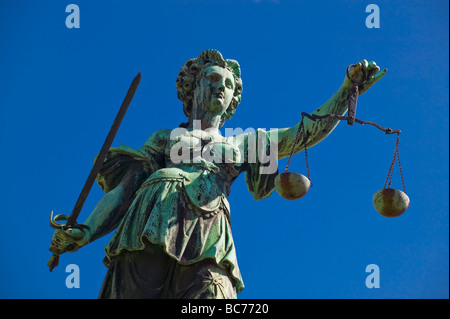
{"x":301,"y":128}
{"x":400,"y":165}
{"x":297,"y":137}
{"x":350,"y":118}
{"x":391,"y":167}
{"x":306,"y":159}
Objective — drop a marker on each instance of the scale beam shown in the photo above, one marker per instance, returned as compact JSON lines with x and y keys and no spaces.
{"x":345,"y":118}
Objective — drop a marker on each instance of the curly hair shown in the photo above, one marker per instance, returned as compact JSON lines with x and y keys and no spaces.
{"x":192,"y":71}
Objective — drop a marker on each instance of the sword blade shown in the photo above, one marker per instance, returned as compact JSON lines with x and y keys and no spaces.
{"x":72,"y":220}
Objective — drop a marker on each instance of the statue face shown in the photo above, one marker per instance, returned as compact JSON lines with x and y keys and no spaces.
{"x":215,"y":89}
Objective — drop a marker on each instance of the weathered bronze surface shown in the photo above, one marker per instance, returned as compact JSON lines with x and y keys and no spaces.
{"x":292,"y":186}
{"x":168,"y":202}
{"x":390,"y":202}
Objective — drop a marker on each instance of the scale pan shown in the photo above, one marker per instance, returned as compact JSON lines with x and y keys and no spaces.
{"x":292,"y":186}
{"x":390,"y":202}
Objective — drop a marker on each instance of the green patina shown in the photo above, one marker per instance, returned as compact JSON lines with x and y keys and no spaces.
{"x":152,"y":201}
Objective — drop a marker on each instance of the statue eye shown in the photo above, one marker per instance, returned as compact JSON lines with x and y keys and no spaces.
{"x":213,"y":77}
{"x":229,"y":84}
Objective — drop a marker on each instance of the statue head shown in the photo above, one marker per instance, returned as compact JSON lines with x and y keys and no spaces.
{"x":192,"y":71}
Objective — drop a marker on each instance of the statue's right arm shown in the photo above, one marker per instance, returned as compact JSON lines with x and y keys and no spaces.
{"x":110,"y":210}
{"x":105,"y":217}
{"x":112,"y":207}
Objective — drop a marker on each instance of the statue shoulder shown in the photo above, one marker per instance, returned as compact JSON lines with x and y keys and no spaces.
{"x":157,"y":141}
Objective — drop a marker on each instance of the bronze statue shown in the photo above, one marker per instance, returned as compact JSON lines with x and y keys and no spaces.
{"x":168,"y":201}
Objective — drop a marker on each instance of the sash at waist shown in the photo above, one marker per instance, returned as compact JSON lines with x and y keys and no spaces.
{"x":201,"y":189}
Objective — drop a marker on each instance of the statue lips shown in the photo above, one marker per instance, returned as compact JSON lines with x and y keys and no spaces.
{"x":219,"y":95}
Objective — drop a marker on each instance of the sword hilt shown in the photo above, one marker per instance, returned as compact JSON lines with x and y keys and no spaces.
{"x":53,"y":262}
{"x":55,"y":225}
{"x":54,"y":259}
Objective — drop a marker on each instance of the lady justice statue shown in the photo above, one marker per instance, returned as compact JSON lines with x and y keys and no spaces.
{"x":167,"y":202}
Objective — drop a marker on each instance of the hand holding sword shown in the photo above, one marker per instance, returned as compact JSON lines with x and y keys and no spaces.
{"x":71,"y":236}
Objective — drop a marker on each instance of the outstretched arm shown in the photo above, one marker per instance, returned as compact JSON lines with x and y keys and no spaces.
{"x":337,"y":104}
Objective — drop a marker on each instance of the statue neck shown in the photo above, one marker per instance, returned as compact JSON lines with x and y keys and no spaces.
{"x":203,"y":119}
{"x":205,"y":123}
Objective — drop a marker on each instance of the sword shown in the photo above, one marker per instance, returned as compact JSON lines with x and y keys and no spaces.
{"x":72,"y":219}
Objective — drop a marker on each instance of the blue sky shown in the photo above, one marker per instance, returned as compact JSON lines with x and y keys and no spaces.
{"x":60,"y":90}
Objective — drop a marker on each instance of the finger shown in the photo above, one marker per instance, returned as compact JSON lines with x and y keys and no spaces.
{"x":55,"y":250}
{"x":72,"y":234}
{"x":75,"y":233}
{"x":357,"y":68}
{"x":359,"y":72}
{"x":354,"y":71}
{"x":60,"y":247}
{"x":378,"y":76}
{"x":56,"y":246}
{"x":62,"y":240}
{"x":58,"y":237}
{"x":373,"y":69}
{"x":364,"y":64}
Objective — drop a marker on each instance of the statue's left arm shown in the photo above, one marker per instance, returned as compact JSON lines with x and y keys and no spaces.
{"x":364,"y":72}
